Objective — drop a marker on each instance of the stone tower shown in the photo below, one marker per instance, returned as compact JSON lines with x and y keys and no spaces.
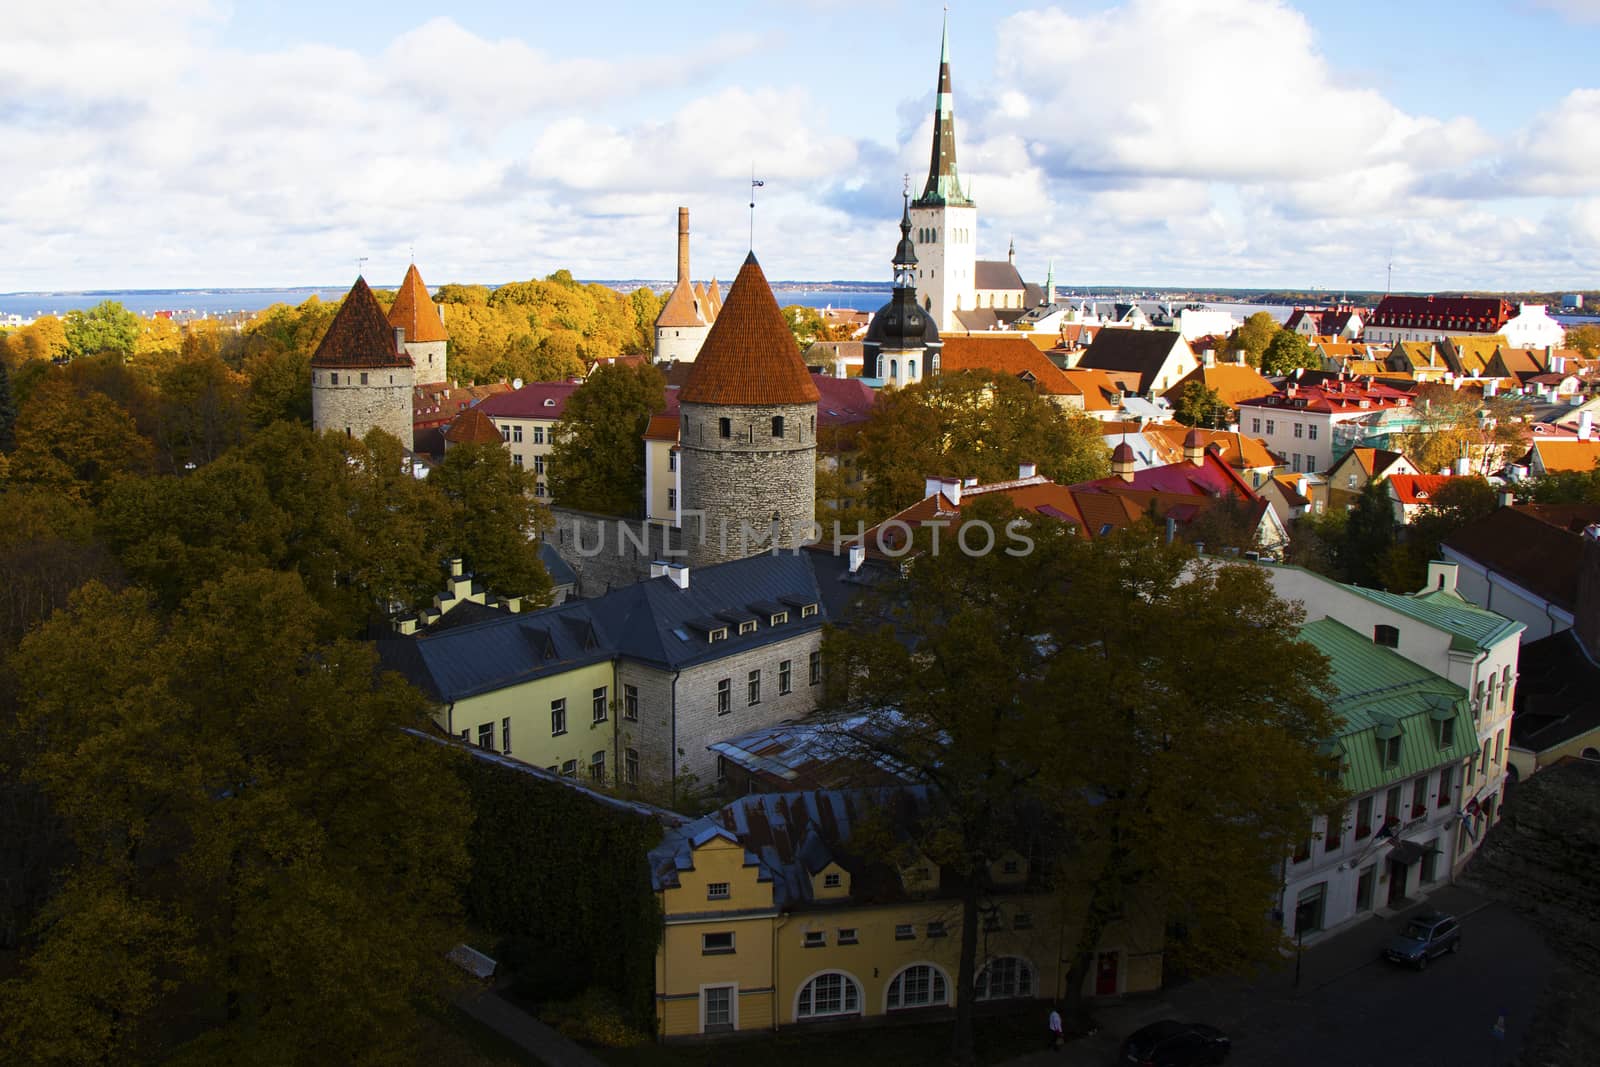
{"x":416,"y":314}
{"x":685,"y":319}
{"x":361,"y":375}
{"x":944,"y":220}
{"x":902,"y":344}
{"x":747,"y":432}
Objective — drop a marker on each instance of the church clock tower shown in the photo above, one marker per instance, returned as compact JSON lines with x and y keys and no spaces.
{"x":944,"y":221}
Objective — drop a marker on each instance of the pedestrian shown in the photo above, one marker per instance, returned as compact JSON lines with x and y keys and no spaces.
{"x":1057,"y":1039}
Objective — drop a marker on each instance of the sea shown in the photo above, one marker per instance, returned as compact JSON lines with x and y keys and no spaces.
{"x":196,"y":303}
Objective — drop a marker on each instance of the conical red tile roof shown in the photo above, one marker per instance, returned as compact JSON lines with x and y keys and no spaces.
{"x":749,"y":357}
{"x":679,"y":310}
{"x":415,"y":312}
{"x":359,"y":335}
{"x":472,"y":427}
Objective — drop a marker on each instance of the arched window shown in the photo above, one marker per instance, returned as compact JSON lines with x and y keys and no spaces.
{"x":1005,"y":977}
{"x":921,"y":985}
{"x":911,"y":369}
{"x":777,"y":425}
{"x":894,"y":368}
{"x":827,"y":994}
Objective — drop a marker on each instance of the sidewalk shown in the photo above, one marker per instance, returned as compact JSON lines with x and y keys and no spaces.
{"x":517,"y":1026}
{"x":1224,"y":1002}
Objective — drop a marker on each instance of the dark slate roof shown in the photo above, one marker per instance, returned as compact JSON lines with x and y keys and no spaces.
{"x":1558,"y":693}
{"x":996,"y":274}
{"x":1536,"y":546}
{"x":1138,"y":351}
{"x":560,"y":573}
{"x":789,"y":837}
{"x":652,"y":622}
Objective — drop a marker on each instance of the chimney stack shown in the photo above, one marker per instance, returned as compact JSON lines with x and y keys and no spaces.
{"x":858,"y":556}
{"x":679,"y":574}
{"x":1585,"y":425}
{"x":1441,"y":575}
{"x":683,"y":244}
{"x":399,"y":339}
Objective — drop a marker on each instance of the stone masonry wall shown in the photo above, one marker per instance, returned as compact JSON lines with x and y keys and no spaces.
{"x":740,"y":481}
{"x":430,"y":360}
{"x":700,"y":725}
{"x":651,"y":735}
{"x":610,"y":558}
{"x":384,"y":402}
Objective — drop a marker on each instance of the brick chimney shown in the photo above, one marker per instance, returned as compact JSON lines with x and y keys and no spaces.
{"x":683,"y":244}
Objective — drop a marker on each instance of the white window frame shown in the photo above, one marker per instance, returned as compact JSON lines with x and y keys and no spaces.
{"x":843,"y":1013}
{"x":733,"y":1004}
{"x":936,"y":970}
{"x":1033,"y":979}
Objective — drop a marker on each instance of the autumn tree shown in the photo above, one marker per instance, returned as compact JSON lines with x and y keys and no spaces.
{"x":253,"y":829}
{"x":1453,"y":424}
{"x":201,"y":412}
{"x":1200,"y":405}
{"x":1585,"y":338}
{"x":8,"y":411}
{"x":597,"y":462}
{"x":1561,"y":487}
{"x":1253,"y":337}
{"x":492,"y":519}
{"x":971,"y":425}
{"x":106,"y":327}
{"x":75,"y":444}
{"x":1101,"y":701}
{"x":44,"y":339}
{"x":1286,"y":353}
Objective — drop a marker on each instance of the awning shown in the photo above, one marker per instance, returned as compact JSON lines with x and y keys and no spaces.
{"x":1405,"y":853}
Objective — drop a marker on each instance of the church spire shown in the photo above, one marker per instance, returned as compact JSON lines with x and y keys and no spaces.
{"x":944,"y":186}
{"x":905,"y":256}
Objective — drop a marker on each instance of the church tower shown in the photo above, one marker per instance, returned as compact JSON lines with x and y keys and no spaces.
{"x":902,"y":344}
{"x":416,"y":314}
{"x":944,"y":221}
{"x":747,"y":433}
{"x":361,"y":374}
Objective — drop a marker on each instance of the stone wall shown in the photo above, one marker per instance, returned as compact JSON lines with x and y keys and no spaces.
{"x":651,"y":735}
{"x":430,"y":360}
{"x":603,"y":551}
{"x":699,"y":723}
{"x":351,"y":407}
{"x":738,"y":483}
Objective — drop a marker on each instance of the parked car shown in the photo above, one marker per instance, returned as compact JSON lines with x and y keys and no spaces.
{"x":1170,"y":1043}
{"x":1425,"y":936}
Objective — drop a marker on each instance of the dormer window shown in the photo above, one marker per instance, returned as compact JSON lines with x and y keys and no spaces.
{"x":832,"y":881}
{"x":549,"y":402}
{"x":713,"y":636}
{"x":1389,"y":746}
{"x":747,"y":627}
{"x":808,"y":610}
{"x":779,"y":619}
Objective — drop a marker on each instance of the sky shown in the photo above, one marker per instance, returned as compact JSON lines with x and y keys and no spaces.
{"x":1204,"y":143}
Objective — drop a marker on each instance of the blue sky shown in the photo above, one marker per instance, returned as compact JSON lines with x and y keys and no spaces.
{"x":1181,"y":142}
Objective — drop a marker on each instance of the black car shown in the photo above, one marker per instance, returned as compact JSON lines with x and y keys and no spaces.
{"x":1425,"y":936}
{"x":1170,"y":1043}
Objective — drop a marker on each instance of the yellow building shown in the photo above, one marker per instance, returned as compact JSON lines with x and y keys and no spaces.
{"x":771,"y":920}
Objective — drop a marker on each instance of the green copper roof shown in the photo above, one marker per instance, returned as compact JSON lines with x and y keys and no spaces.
{"x":1377,"y":692}
{"x":1471,"y":628}
{"x":944,"y":186}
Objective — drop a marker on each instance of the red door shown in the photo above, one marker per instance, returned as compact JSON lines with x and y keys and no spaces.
{"x":1105,"y":975}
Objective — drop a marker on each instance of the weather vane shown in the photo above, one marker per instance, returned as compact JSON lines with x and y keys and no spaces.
{"x":361,"y":263}
{"x":755,"y":183}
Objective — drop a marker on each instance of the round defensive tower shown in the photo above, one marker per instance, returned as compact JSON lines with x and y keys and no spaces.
{"x":426,"y":340}
{"x":361,"y":375}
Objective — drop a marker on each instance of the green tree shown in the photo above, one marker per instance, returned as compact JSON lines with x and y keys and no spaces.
{"x":106,"y":327}
{"x":1561,"y":487}
{"x":971,"y":425}
{"x":1200,"y":405}
{"x":201,"y":412}
{"x":597,"y":463}
{"x":1253,"y":337}
{"x":240,"y":794}
{"x":76,"y":444}
{"x":492,"y":519}
{"x":1286,"y":353}
{"x":1368,"y":536}
{"x":1101,"y":710}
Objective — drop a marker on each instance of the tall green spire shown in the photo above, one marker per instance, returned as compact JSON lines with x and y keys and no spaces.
{"x":944,"y":186}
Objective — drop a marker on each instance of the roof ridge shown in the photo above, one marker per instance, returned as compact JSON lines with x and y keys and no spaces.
{"x":750,"y":355}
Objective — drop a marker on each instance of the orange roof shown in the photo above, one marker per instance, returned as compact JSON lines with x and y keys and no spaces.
{"x":1415,"y":489}
{"x":1568,"y":455}
{"x":662,"y":428}
{"x":1233,"y":382}
{"x":415,"y":312}
{"x":1013,"y":355}
{"x":1097,"y":387}
{"x":472,"y":427}
{"x":359,"y":335}
{"x":749,"y":357}
{"x":680,"y":310}
{"x":1234,"y":448}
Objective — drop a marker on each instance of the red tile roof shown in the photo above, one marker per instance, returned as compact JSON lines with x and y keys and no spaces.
{"x":842,"y":401}
{"x":472,"y":427}
{"x":749,"y":357}
{"x":359,"y":335}
{"x":681,"y":309}
{"x":1337,"y":396}
{"x":1460,"y":314}
{"x":1416,"y":490}
{"x":662,"y":428}
{"x":415,"y":312}
{"x":536,"y":400}
{"x":437,"y":403}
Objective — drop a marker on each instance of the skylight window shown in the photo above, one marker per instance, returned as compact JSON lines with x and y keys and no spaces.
{"x":679,"y":634}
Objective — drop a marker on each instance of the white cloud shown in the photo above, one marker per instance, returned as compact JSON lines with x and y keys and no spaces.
{"x":1576,"y":10}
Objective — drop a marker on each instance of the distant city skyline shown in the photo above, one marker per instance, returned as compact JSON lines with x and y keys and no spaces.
{"x":1194,"y":143}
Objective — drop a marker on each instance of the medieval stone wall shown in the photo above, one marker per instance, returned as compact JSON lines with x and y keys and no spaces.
{"x":343,"y":403}
{"x":604,"y":551}
{"x":430,"y":359}
{"x":741,"y":484}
